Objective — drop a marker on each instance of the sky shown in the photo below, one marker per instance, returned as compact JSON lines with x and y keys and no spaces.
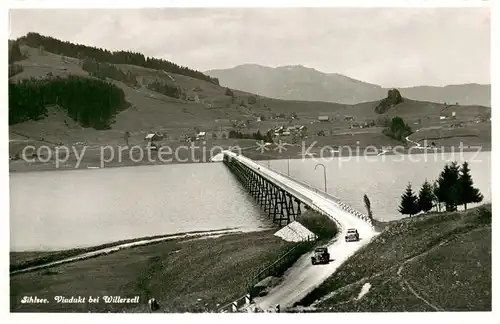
{"x":392,"y":47}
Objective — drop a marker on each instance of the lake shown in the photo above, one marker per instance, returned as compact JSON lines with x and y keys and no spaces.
{"x":65,"y":209}
{"x":383,"y":178}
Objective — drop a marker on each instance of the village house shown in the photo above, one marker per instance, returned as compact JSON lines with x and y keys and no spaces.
{"x":447,"y":115}
{"x":201,"y":136}
{"x":278,"y":130}
{"x":152,"y":138}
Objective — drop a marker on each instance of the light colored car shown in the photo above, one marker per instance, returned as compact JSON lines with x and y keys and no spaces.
{"x":352,"y":235}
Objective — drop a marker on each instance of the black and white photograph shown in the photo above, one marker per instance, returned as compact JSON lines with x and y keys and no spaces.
{"x":249,"y":159}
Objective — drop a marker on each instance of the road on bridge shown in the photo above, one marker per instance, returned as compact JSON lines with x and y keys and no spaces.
{"x":303,"y":277}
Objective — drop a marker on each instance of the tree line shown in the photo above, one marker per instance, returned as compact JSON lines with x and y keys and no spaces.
{"x":15,"y":52}
{"x":256,"y":136}
{"x":65,"y":48}
{"x":453,"y":188}
{"x":90,"y":102}
{"x":15,"y":69}
{"x":14,"y":56}
{"x":166,"y":89}
{"x":397,"y":129}
{"x":103,"y":70}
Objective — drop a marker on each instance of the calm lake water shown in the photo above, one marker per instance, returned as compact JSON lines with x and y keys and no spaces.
{"x":384,"y":178}
{"x":66,"y":209}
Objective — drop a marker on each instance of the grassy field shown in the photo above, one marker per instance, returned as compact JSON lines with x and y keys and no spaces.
{"x":183,"y":275}
{"x":474,"y":134}
{"x":428,"y":263}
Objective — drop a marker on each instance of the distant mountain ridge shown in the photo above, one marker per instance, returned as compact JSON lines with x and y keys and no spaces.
{"x":297,"y":82}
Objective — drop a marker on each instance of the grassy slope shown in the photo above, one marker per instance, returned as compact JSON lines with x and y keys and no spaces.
{"x":214,"y":112}
{"x":427,"y":263}
{"x":183,"y":275}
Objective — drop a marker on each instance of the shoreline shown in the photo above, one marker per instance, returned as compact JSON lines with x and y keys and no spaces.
{"x":20,"y":167}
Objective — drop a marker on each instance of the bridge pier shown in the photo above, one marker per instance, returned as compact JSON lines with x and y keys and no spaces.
{"x":277,"y":202}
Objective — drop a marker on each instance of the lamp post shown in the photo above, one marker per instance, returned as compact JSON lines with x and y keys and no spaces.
{"x":288,"y":162}
{"x":324,"y":173}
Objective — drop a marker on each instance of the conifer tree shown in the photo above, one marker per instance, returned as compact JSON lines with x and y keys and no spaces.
{"x":448,"y":190}
{"x":468,"y":194}
{"x":409,"y":202}
{"x":425,"y":197}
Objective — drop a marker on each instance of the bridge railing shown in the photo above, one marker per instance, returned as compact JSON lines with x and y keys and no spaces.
{"x":284,"y":261}
{"x":236,"y":305}
{"x":306,"y":200}
{"x":343,"y":205}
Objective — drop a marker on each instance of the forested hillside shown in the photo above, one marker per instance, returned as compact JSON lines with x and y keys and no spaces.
{"x":95,"y":106}
{"x":120,"y":57}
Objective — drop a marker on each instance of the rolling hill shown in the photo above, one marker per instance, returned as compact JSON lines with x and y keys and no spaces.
{"x":302,"y":83}
{"x":431,"y":262}
{"x":199,"y":102}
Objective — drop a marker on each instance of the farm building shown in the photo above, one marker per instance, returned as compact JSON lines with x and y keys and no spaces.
{"x":151,"y":137}
{"x":201,"y":135}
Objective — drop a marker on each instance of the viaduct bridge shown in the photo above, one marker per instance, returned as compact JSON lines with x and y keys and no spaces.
{"x":284,"y":198}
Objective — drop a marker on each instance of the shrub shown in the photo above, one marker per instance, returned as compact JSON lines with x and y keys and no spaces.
{"x":229,"y":92}
{"x":397,"y":129}
{"x":484,"y":215}
{"x":252,"y":100}
{"x":319,"y":224}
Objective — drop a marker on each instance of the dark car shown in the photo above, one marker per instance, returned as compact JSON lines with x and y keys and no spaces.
{"x":320,"y":256}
